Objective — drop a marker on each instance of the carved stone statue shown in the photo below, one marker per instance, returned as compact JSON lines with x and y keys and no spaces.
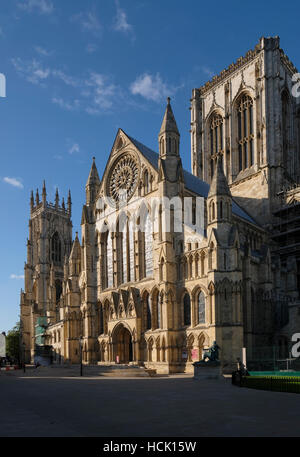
{"x":212,"y":354}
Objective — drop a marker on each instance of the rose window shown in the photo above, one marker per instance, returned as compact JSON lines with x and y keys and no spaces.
{"x":123,"y":178}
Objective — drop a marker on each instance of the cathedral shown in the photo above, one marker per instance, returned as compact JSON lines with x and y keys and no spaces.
{"x":170,"y":261}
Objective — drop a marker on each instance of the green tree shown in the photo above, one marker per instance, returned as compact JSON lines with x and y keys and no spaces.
{"x":13,"y":342}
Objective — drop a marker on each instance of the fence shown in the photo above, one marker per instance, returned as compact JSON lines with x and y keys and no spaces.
{"x":271,"y":358}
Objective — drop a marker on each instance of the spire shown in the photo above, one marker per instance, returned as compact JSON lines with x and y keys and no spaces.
{"x":63,"y":203}
{"x":92,"y":184}
{"x":169,"y":136}
{"x":75,"y":256}
{"x":169,"y":123}
{"x":93,"y":178}
{"x":31,"y":201}
{"x":37,"y":197}
{"x":219,"y":184}
{"x":69,"y":203}
{"x":56,"y":198}
{"x":44,"y":193}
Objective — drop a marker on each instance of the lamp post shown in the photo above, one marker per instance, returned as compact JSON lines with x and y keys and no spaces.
{"x":24,"y":367}
{"x":80,"y":354}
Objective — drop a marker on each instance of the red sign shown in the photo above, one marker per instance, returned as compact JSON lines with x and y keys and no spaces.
{"x":194,"y":354}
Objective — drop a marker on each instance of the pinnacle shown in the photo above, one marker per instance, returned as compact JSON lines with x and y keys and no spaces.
{"x":169,"y":122}
{"x":93,"y":175}
{"x":219,"y":184}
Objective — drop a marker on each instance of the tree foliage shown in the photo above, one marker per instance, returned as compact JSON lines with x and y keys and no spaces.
{"x":13,"y":342}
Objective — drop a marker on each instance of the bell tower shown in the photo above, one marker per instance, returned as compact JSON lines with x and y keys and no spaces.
{"x":49,"y":241}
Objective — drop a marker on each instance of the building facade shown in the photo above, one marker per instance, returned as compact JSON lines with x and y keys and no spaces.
{"x":170,"y":261}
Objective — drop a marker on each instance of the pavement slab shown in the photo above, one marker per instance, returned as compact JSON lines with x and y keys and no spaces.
{"x":123,"y":407}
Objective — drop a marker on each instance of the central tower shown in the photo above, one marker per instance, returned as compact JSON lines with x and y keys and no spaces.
{"x":49,"y":242}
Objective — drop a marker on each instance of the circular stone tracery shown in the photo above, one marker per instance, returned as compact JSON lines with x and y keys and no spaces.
{"x":123,"y":177}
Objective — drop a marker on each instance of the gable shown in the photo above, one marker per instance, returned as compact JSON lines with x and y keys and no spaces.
{"x":192,"y":182}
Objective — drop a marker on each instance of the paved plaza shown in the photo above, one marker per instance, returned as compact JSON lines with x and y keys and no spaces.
{"x":63,"y":405}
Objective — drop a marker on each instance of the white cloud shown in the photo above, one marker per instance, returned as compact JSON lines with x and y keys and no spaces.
{"x":103,"y":92}
{"x":42,"y":51}
{"x":151,"y":87}
{"x":67,"y":79}
{"x":91,"y":48}
{"x":13,"y":276}
{"x":121,"y":23}
{"x":31,"y":70}
{"x":35,"y":73}
{"x":94,"y":93}
{"x":15,"y":182}
{"x":69,"y":106}
{"x":88,"y":22}
{"x":42,"y":6}
{"x":74,"y":148}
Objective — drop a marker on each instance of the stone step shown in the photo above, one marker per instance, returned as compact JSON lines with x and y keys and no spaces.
{"x":115,"y":370}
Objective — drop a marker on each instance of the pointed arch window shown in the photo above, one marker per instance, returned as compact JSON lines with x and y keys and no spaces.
{"x":58,"y":290}
{"x":159,"y":311}
{"x":215,"y":139}
{"x":210,"y":256}
{"x":245,"y":132}
{"x":128,"y":252}
{"x":56,"y":248}
{"x":147,"y":313}
{"x":201,"y":308}
{"x":202,"y":263}
{"x":108,"y":261}
{"x":212,"y":214}
{"x":186,"y":310}
{"x":161,"y":269}
{"x":146,"y":182}
{"x":162,"y":149}
{"x":148,"y":246}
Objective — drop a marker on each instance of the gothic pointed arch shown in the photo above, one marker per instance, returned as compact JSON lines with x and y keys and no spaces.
{"x":244,"y":118}
{"x":56,"y":248}
{"x":147,"y":311}
{"x":215,"y":138}
{"x":154,"y":307}
{"x":125,"y":247}
{"x":186,"y":309}
{"x":106,"y":266}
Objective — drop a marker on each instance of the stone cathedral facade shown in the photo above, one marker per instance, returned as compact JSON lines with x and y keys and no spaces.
{"x":142,"y":285}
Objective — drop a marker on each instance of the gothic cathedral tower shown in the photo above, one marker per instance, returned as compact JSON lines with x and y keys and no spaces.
{"x":49,"y":242}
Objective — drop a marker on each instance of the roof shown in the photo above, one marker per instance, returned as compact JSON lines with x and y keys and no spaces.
{"x":192,"y":182}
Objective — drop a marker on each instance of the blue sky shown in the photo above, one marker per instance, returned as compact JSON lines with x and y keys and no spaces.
{"x":77,"y":70}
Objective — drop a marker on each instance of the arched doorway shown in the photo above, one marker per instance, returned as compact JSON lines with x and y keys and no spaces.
{"x":122,"y":341}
